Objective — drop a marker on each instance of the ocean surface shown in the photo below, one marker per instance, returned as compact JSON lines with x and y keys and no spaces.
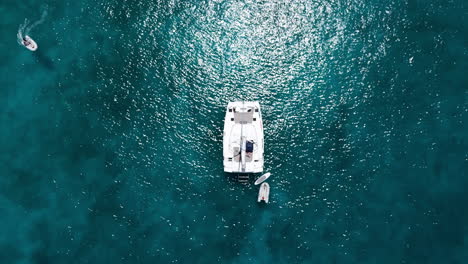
{"x":111,"y":132}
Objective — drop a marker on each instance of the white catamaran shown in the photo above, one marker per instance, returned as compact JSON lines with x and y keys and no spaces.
{"x":243,"y":138}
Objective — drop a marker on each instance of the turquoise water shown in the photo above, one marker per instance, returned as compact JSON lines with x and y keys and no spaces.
{"x":111,"y":131}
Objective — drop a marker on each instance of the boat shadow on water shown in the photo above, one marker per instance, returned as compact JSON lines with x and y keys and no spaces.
{"x":241,"y":179}
{"x":44,"y":60}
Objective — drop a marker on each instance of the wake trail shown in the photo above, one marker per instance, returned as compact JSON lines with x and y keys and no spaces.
{"x":38,"y":22}
{"x":26,"y":27}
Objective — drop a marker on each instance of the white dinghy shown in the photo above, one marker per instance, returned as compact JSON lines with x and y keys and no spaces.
{"x":29,"y":43}
{"x":264,"y":192}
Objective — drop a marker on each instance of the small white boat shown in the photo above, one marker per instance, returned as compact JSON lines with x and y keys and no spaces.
{"x":29,"y":43}
{"x":264,"y":192}
{"x":262,"y":178}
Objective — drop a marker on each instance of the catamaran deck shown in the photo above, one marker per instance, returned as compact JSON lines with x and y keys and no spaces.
{"x":243,"y":138}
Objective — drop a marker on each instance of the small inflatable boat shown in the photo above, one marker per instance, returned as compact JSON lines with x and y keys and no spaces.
{"x":29,"y":43}
{"x":264,"y":192}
